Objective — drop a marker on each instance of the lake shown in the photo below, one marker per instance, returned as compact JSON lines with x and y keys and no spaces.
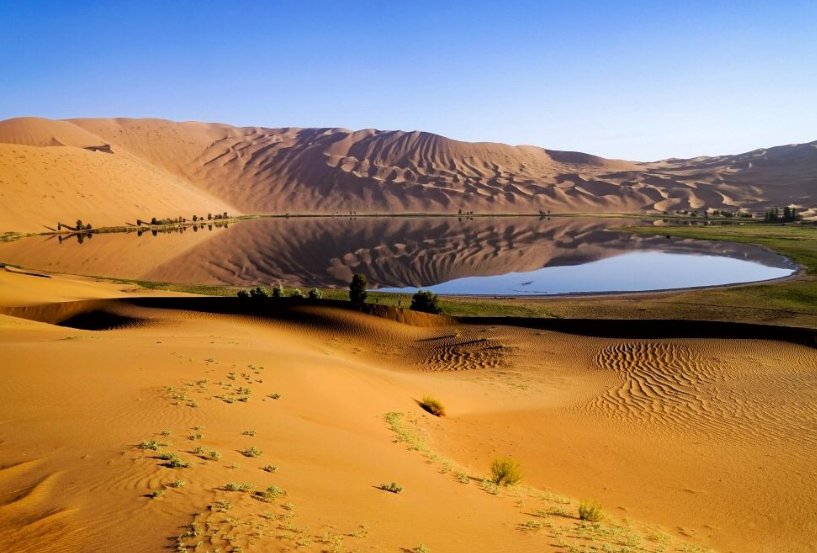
{"x":488,"y":256}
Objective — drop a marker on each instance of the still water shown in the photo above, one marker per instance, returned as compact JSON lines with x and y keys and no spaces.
{"x":495,"y":256}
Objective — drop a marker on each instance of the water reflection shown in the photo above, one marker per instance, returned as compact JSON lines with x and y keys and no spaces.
{"x":394,"y":252}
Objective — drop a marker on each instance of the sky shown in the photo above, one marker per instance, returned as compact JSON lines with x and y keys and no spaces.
{"x":624,"y":79}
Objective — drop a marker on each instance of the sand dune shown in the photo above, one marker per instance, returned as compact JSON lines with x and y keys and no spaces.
{"x":686,"y":442}
{"x":166,"y":169}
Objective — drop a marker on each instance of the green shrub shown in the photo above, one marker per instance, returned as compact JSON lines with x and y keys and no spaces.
{"x":505,"y":472}
{"x":251,"y":452}
{"x":426,"y":302}
{"x":238,"y":487}
{"x":433,"y":406}
{"x":269,"y":494}
{"x":392,"y":487}
{"x":590,"y":511}
{"x":315,"y":294}
{"x":277,"y":291}
{"x":296,"y":293}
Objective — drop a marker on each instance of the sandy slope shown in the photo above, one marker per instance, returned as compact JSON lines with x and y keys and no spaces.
{"x":163,"y":168}
{"x":706,"y":442}
{"x":47,"y":176}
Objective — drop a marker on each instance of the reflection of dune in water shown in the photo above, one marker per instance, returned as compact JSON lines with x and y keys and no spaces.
{"x":327,"y":251}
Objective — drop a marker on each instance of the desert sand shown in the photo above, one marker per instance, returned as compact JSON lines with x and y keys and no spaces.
{"x":112,"y":171}
{"x":688,"y":444}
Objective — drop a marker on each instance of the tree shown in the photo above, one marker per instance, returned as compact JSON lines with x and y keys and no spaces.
{"x":315,"y":294}
{"x":296,"y":293}
{"x":357,"y":289}
{"x":277,"y":291}
{"x":426,"y":302}
{"x":258,"y":293}
{"x":243,"y":294}
{"x":79,"y":224}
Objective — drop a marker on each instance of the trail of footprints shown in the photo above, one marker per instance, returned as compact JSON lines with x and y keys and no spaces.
{"x":242,"y":516}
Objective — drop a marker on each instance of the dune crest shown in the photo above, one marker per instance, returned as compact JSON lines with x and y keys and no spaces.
{"x":168,"y":168}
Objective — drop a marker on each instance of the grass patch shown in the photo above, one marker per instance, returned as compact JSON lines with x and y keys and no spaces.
{"x":251,"y":452}
{"x":433,"y":406}
{"x":269,"y":494}
{"x":238,"y":487}
{"x":591,"y":511}
{"x":505,"y":472}
{"x":174,"y":461}
{"x":392,"y":487}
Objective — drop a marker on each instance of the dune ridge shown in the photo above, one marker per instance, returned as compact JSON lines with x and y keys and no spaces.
{"x":163,"y":168}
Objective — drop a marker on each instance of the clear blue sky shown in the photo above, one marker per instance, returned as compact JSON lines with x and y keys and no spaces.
{"x":637,"y":80}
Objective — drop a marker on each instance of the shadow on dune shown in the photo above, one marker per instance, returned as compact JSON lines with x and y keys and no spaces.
{"x":121,"y":313}
{"x":658,"y":329}
{"x":100,"y":319}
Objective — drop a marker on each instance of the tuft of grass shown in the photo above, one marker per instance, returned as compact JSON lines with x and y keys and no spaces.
{"x":174,"y":461}
{"x":505,"y":472}
{"x":591,"y":511}
{"x":178,"y":483}
{"x":214,"y":455}
{"x":463,"y":478}
{"x":270,"y":468}
{"x":251,"y":452}
{"x":270,"y":494}
{"x":156,"y":494}
{"x":433,"y":406}
{"x":151,"y":444}
{"x":221,"y":506}
{"x":274,"y":396}
{"x":238,"y":486}
{"x":248,"y":433}
{"x":531,"y":525}
{"x":392,"y":487}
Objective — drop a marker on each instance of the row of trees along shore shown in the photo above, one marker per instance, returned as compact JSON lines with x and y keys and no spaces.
{"x":423,"y":300}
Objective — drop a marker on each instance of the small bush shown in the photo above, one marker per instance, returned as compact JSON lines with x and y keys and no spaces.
{"x":590,"y":511}
{"x":277,"y":291}
{"x":426,"y":302}
{"x":258,"y":293}
{"x":248,"y":433}
{"x":270,"y":468}
{"x":296,"y":293}
{"x":238,"y":487}
{"x":175,"y":484}
{"x":221,"y":506}
{"x":357,"y":289}
{"x":157,"y":494}
{"x":392,"y":487}
{"x":214,"y":455}
{"x":150,"y":444}
{"x":269,"y":494}
{"x":274,"y":396}
{"x":315,"y":294}
{"x":433,"y":406}
{"x":243,"y":294}
{"x":505,"y":472}
{"x":251,"y":452}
